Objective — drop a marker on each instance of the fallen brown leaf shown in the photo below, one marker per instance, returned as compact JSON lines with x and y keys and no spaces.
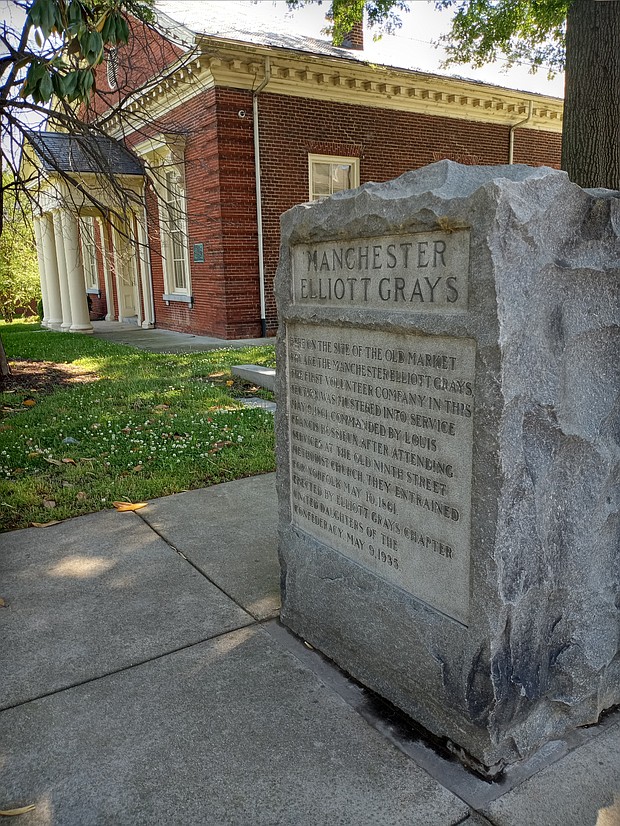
{"x":29,"y":402}
{"x":161,"y":407}
{"x":2,"y":603}
{"x":45,"y":524}
{"x":81,"y":496}
{"x":218,"y":446}
{"x":35,"y":454}
{"x":49,"y":503}
{"x":14,"y":812}
{"x":138,"y":468}
{"x":53,"y":461}
{"x":129,"y":506}
{"x":69,"y":462}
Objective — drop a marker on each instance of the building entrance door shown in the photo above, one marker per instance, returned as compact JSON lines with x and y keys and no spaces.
{"x":126,"y":277}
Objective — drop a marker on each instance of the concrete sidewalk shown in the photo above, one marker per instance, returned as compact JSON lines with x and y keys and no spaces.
{"x":145,"y":679}
{"x":167,"y":341}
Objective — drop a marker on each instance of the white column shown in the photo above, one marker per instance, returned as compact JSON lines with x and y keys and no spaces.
{"x":107,"y":272}
{"x":42,"y":273}
{"x":48,"y":243}
{"x":65,"y":301}
{"x":145,"y":272}
{"x":80,"y":319}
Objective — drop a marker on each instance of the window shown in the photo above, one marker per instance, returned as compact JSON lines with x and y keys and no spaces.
{"x":89,"y":254}
{"x":329,"y":175}
{"x":176,"y":246}
{"x":164,"y":155}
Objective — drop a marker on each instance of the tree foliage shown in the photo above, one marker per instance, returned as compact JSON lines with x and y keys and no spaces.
{"x":530,"y":31}
{"x":63,"y":41}
{"x":344,"y":14}
{"x":19,"y":275}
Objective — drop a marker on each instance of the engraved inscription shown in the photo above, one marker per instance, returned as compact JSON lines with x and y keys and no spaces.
{"x":381,"y":431}
{"x":425,"y":272}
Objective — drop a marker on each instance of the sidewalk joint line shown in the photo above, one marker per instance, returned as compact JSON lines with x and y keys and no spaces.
{"x":196,"y":568}
{"x":127,"y":667}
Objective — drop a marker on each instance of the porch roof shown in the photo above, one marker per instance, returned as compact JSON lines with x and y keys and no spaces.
{"x":62,"y":152}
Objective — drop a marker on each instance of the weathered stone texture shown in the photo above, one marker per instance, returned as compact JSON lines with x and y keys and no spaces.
{"x":539,"y":653}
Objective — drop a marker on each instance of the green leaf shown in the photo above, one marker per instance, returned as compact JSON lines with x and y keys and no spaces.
{"x":45,"y":88}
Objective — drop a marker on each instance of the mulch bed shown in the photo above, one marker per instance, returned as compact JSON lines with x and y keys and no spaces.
{"x":43,"y":376}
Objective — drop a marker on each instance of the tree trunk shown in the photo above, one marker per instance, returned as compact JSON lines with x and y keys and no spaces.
{"x":591,"y":131}
{"x":5,"y":370}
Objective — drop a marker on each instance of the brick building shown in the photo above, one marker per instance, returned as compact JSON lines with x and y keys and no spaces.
{"x":234,"y":125}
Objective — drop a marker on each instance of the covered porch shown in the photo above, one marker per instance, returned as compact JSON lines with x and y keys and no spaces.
{"x":90,"y":231}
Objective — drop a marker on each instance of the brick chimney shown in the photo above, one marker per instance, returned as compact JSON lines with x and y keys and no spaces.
{"x":355,"y":38}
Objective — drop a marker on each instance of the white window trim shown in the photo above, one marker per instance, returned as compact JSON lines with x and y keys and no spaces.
{"x":89,"y":254}
{"x":163,"y":154}
{"x":354,"y":163}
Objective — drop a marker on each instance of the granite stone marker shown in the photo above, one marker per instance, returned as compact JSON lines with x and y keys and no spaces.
{"x":448,"y":435}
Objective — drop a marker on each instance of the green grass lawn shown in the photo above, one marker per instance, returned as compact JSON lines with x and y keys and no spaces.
{"x":103,"y":422}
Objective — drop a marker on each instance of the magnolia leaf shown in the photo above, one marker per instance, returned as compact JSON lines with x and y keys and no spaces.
{"x":69,"y":462}
{"x":14,"y":812}
{"x":138,"y":468}
{"x":53,"y":461}
{"x":129,"y":506}
{"x":29,"y":402}
{"x":45,"y":524}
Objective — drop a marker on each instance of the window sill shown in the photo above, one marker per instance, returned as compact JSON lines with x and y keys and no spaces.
{"x":93,"y":291}
{"x":182,"y":299}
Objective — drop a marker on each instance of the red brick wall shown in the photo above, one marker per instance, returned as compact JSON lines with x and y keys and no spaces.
{"x":387,"y":142}
{"x":145,"y":55}
{"x":220,"y":190}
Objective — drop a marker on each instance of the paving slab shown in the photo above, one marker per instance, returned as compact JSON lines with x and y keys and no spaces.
{"x":229,"y":532}
{"x":231,"y":731}
{"x":93,"y":595}
{"x":581,"y":789}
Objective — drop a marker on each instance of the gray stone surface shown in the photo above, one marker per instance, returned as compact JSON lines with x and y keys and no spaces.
{"x":86,"y":597}
{"x":263,"y":376}
{"x":583,"y":789}
{"x":538,"y":653}
{"x":231,"y":731}
{"x":229,"y":532}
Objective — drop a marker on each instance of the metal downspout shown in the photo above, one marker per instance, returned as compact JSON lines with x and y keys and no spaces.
{"x":259,"y":203}
{"x":511,"y":146}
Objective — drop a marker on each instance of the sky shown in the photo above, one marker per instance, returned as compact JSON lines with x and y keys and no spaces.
{"x":412,"y":46}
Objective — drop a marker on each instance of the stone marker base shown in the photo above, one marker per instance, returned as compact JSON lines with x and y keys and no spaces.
{"x":448,"y":432}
